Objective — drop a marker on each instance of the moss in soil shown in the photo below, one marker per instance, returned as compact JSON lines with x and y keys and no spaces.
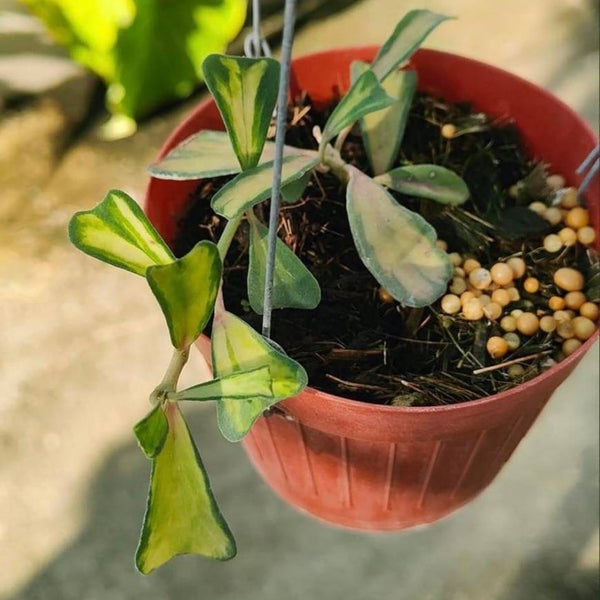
{"x":358,"y":344}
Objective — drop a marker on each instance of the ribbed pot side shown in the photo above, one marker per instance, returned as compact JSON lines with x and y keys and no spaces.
{"x":380,"y":467}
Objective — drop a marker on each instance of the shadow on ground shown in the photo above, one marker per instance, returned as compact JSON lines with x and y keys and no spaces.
{"x":285,"y":554}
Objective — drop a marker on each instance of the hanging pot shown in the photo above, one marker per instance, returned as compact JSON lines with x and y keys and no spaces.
{"x":375,"y":467}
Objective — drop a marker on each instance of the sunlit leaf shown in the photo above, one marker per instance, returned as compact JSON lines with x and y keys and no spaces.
{"x":293,"y":284}
{"x":245,"y":90}
{"x":209,"y":154}
{"x":236,"y":347}
{"x":151,"y":432}
{"x":158,"y":57}
{"x":395,"y":244}
{"x":244,"y":385}
{"x":383,"y":130}
{"x":147,"y":51}
{"x":182,"y":516}
{"x":253,"y":186}
{"x":409,"y":34}
{"x":427,"y":181}
{"x":186,"y":290}
{"x":117,"y":231}
{"x":366,"y":95}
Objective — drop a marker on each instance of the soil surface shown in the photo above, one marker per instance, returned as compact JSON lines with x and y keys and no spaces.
{"x":359,"y":343}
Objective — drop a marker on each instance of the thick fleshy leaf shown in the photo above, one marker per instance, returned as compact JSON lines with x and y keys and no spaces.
{"x":427,"y":181}
{"x":118,"y":232}
{"x":151,"y":432}
{"x":186,"y":290}
{"x":245,"y":90}
{"x":409,"y":34}
{"x":365,"y":96}
{"x":236,"y":347}
{"x":383,"y":130}
{"x":182,"y":516}
{"x":253,"y":186}
{"x":293,"y":284}
{"x":243,"y":386}
{"x":395,"y":244}
{"x":209,"y":154}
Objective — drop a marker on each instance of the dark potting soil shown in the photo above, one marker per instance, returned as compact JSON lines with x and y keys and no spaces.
{"x":355,"y":343}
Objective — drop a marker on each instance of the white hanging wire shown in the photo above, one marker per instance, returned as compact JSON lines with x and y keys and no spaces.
{"x":289,"y":16}
{"x":255,"y":44}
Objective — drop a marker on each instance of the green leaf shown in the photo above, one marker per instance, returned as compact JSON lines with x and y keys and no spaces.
{"x":395,"y":244}
{"x":209,"y":154}
{"x":151,"y":432}
{"x":147,"y":51}
{"x":366,"y":95}
{"x":409,"y":34}
{"x":427,"y":181}
{"x":253,"y":186}
{"x":186,"y":291}
{"x":118,"y":232}
{"x":293,"y":284}
{"x":182,"y":516}
{"x":292,"y":192}
{"x":245,"y":90}
{"x":236,"y":347}
{"x":244,"y":385}
{"x":383,"y":130}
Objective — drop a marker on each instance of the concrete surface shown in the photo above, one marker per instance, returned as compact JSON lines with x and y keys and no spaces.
{"x":82,"y":345}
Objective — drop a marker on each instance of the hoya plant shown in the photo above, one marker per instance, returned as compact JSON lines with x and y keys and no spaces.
{"x":251,"y":373}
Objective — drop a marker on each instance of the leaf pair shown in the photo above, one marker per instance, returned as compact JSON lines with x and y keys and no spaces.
{"x":116,"y":231}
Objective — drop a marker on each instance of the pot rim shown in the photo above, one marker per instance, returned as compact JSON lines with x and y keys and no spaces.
{"x":340,"y":401}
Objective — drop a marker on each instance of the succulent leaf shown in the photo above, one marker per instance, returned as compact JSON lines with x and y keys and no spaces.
{"x":364,"y":96}
{"x":151,"y":432}
{"x":186,"y":290}
{"x":182,"y":516}
{"x":383,"y":130}
{"x":236,"y":347}
{"x":427,"y":181}
{"x":395,"y":244}
{"x":245,"y":90}
{"x":117,"y":231}
{"x":294,"y":286}
{"x":254,"y":185}
{"x":243,"y":385}
{"x":408,"y":35}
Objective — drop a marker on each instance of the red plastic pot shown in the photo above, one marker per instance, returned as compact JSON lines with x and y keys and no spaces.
{"x":381,"y":467}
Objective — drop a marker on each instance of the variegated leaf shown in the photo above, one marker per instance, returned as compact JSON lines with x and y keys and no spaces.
{"x":245,"y":90}
{"x":151,"y":431}
{"x":427,"y":181}
{"x":182,"y":516}
{"x":117,"y":231}
{"x":208,"y":154}
{"x":409,"y":34}
{"x":366,"y":95}
{"x":236,"y":347}
{"x":186,"y":291}
{"x":383,"y":130}
{"x":395,"y":244}
{"x":253,"y":186}
{"x":293,"y":284}
{"x":243,"y":386}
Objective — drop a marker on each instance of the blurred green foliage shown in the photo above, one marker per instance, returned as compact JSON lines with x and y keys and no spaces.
{"x":147,"y":51}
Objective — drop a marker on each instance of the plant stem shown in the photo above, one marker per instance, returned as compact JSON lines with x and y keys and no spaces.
{"x":227,"y":236}
{"x":169,"y":382}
